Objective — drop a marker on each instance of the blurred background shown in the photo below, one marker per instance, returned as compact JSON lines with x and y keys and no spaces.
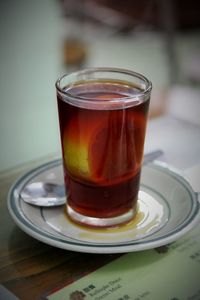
{"x":41,"y":40}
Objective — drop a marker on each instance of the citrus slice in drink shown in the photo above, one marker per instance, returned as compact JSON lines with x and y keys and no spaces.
{"x":112,"y":156}
{"x":78,"y":135}
{"x":102,"y":149}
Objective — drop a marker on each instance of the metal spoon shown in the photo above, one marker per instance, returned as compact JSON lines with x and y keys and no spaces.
{"x":51,"y":194}
{"x":44,"y":194}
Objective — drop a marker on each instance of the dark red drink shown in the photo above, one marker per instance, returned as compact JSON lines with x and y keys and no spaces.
{"x":102,"y":146}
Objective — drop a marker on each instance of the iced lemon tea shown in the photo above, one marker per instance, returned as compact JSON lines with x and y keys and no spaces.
{"x":102,"y":125}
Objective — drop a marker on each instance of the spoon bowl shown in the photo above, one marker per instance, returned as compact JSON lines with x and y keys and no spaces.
{"x":44,"y":194}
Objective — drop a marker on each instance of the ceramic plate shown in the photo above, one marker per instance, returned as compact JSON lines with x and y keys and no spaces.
{"x":167,"y":209}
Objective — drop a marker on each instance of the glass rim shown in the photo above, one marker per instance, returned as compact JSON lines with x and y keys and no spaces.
{"x":129,"y":98}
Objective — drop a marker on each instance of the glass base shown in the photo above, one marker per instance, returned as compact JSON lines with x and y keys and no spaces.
{"x":100,"y":222}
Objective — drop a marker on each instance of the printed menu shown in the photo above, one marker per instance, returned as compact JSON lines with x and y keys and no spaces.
{"x":170,"y":272}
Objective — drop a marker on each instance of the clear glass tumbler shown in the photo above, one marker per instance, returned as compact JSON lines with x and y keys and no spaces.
{"x":103,"y":115}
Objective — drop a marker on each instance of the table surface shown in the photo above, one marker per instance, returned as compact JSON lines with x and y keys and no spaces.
{"x":29,"y":268}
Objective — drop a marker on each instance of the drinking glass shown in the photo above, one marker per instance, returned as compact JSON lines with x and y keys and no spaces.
{"x":103,"y":115}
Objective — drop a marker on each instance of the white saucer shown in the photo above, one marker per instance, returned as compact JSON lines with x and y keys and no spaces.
{"x":167,"y":209}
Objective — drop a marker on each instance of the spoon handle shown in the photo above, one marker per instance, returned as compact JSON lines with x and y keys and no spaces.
{"x":152,"y":156}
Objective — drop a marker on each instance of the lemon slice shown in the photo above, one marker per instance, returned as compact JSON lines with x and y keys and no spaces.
{"x":76,"y":159}
{"x":78,"y":136}
{"x":102,"y":150}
